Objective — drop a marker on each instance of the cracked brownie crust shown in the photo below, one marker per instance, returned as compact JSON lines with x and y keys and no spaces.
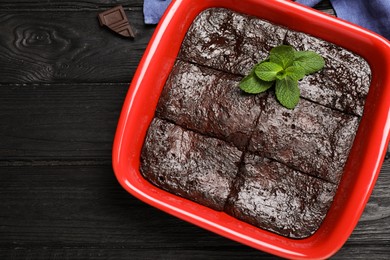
{"x":271,"y":195}
{"x":274,"y":168}
{"x":189,"y":164}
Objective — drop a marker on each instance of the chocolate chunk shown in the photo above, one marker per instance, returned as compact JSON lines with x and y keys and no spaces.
{"x":115,"y":19}
{"x":272,"y":196}
{"x":189,"y":164}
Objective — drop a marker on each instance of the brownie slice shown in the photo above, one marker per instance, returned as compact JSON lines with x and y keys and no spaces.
{"x":188,"y":164}
{"x":311,"y":138}
{"x":272,"y":196}
{"x":225,"y":40}
{"x":210,"y":102}
{"x":342,"y":84}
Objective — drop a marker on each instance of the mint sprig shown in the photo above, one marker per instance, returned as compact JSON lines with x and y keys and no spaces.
{"x":253,"y":85}
{"x":283,"y":68}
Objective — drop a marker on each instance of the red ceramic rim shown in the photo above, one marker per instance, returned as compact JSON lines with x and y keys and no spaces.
{"x":364,"y":162}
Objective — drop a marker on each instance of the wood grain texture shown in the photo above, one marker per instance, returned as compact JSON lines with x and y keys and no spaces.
{"x":7,"y":5}
{"x":82,"y":208}
{"x":59,"y":122}
{"x":67,"y":46}
{"x":85,"y":208}
{"x":325,"y":6}
{"x":63,"y":80}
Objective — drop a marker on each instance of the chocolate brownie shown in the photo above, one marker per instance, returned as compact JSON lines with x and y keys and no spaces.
{"x":233,"y":42}
{"x":229,"y":41}
{"x":311,"y":138}
{"x":275,"y":168}
{"x":272,"y":196}
{"x":209,"y":102}
{"x":344,"y":81}
{"x":189,"y":164}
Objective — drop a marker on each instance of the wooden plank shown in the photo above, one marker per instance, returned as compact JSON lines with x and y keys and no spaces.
{"x":228,"y":253}
{"x":67,"y":46}
{"x":58,"y":195}
{"x":59,"y":122}
{"x":85,"y":4}
{"x":46,"y":209}
{"x":326,"y":7}
{"x":375,"y":221}
{"x":364,"y":251}
{"x":84,"y":207}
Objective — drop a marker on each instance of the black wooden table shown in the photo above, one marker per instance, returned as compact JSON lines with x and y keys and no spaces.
{"x":63,"y":80}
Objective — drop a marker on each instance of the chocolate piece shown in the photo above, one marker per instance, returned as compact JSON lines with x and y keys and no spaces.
{"x":312,"y":138}
{"x":272,"y":196}
{"x":188,"y":164}
{"x":115,"y":19}
{"x":344,"y":81}
{"x":229,"y":41}
{"x":209,"y":102}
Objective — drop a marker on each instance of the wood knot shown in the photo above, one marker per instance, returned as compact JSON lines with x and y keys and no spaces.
{"x":43,"y":42}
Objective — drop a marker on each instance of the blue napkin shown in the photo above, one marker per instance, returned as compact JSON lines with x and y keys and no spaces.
{"x":371,"y":14}
{"x":154,"y":9}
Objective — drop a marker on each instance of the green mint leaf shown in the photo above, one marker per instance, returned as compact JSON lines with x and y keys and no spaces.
{"x":285,"y":67}
{"x":283,"y":55}
{"x":253,"y":85}
{"x":267,"y":71}
{"x":309,"y":60}
{"x":294,"y":72}
{"x":287,"y":92}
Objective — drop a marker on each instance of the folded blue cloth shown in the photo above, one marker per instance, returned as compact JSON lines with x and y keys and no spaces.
{"x":373,"y":14}
{"x":154,"y":9}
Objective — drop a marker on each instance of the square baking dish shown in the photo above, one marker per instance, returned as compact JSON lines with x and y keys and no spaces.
{"x":361,"y":169}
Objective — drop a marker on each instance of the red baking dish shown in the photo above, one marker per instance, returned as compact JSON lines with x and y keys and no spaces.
{"x":362,"y":167}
